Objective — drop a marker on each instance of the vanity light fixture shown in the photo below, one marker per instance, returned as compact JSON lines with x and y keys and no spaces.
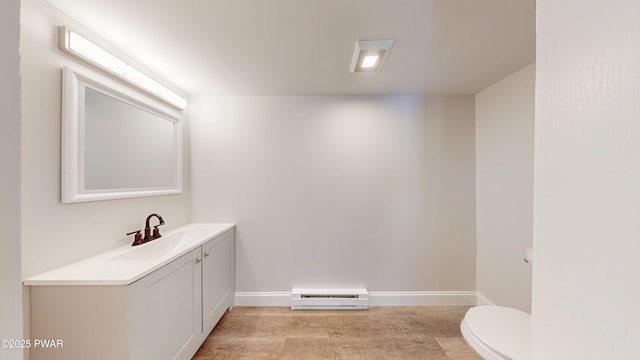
{"x":78,"y":46}
{"x":369,"y":55}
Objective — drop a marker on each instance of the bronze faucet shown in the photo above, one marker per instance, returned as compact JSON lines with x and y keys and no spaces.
{"x":138,"y":238}
{"x":148,"y":235}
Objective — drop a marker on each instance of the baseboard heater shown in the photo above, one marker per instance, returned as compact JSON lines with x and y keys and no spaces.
{"x":329,"y":299}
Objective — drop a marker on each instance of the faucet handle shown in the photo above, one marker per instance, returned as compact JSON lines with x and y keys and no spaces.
{"x":156,"y":232}
{"x":137,"y":240}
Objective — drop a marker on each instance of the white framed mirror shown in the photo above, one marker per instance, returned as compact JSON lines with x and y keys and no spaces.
{"x":117,"y":141}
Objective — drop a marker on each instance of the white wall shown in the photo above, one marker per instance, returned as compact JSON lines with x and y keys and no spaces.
{"x":504,"y":189}
{"x":53,"y":233}
{"x":10,"y":284}
{"x":587,"y":181}
{"x":340,"y":191}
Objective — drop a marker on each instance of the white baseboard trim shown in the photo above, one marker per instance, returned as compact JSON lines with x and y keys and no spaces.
{"x":422,"y":298}
{"x":376,"y":298}
{"x":483,"y":300}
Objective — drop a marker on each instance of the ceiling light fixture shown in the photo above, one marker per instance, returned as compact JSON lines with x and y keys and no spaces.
{"x":369,"y":61}
{"x":369,"y":55}
{"x":78,"y":46}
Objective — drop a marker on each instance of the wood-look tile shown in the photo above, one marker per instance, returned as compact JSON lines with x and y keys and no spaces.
{"x":286,"y":311}
{"x":366,"y":349}
{"x":457,"y":349}
{"x":377,"y":333}
{"x":240,"y":349}
{"x":414,"y":347}
{"x":272,"y":326}
{"x":435,"y":326}
{"x":307,"y":348}
{"x":370,"y":327}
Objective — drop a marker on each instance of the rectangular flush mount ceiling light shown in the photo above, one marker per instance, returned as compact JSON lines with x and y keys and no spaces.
{"x":75,"y":44}
{"x":369,"y":55}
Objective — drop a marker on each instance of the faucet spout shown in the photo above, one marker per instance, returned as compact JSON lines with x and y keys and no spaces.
{"x":148,"y":236}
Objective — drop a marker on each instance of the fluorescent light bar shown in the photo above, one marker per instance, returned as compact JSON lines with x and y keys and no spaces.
{"x":173,"y":98}
{"x":79,"y":46}
{"x":142,"y":80}
{"x":89,"y":51}
{"x":369,"y":55}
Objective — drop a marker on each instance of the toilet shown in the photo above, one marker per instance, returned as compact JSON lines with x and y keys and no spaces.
{"x":498,"y":332}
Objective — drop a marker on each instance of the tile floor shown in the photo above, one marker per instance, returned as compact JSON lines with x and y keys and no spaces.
{"x":259,"y":333}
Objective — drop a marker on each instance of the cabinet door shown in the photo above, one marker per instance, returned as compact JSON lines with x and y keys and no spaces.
{"x":218,"y":278}
{"x":167,"y":310}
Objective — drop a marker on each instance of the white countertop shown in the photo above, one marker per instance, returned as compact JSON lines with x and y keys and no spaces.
{"x":126,"y":264}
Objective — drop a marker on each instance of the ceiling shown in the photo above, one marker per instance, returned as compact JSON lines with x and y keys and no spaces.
{"x":304,"y":47}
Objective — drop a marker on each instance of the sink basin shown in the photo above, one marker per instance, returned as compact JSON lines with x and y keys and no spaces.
{"x":152,"y":250}
{"x":126,"y":264}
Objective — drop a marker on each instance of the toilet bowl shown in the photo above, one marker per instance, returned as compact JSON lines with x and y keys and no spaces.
{"x":497,"y":332}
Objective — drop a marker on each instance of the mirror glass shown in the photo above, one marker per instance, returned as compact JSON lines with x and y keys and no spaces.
{"x":118,"y":142}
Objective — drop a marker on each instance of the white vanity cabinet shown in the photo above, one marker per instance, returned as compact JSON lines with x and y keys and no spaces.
{"x":166,"y":314}
{"x":166,"y":310}
{"x":218,"y":287}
